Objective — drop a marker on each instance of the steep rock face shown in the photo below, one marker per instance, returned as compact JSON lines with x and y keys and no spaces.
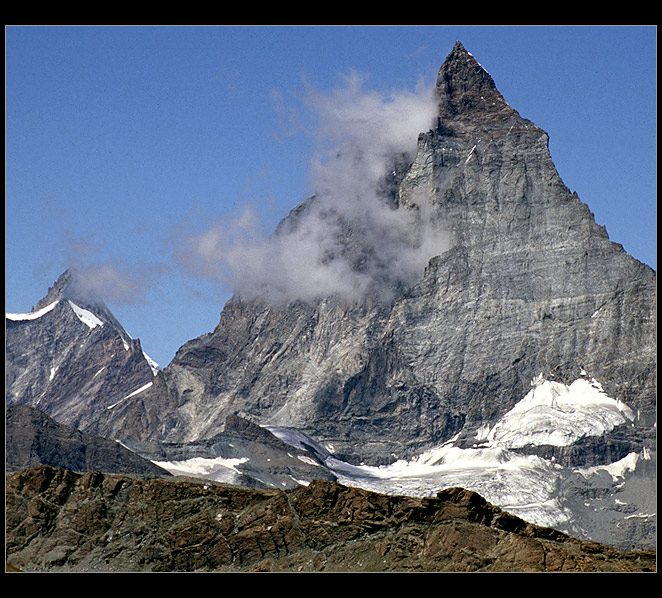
{"x":61,"y":521}
{"x":71,"y":358}
{"x":32,"y":438}
{"x":530,"y":285}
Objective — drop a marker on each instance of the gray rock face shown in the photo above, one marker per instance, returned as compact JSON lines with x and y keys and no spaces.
{"x":521,"y":283}
{"x":71,"y":358}
{"x":33,"y":439}
{"x":531,"y":284}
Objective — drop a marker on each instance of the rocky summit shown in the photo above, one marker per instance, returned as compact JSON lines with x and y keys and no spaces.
{"x":61,"y":521}
{"x":486,"y":333}
{"x":530,"y":285}
{"x":71,"y":358}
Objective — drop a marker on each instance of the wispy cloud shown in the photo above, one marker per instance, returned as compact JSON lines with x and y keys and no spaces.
{"x":352,"y":238}
{"x":114,"y":280}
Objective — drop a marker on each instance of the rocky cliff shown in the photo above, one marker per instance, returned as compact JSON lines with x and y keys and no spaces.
{"x":61,"y":521}
{"x":530,"y":284}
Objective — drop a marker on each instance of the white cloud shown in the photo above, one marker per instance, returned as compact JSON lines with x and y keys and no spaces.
{"x":351,"y":239}
{"x":112,"y":282}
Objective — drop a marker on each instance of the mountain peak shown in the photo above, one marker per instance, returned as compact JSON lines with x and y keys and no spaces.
{"x":465,"y":88}
{"x":70,"y":286}
{"x":57,"y":291}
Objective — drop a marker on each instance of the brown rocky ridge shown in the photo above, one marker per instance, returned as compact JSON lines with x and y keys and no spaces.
{"x":58,"y":520}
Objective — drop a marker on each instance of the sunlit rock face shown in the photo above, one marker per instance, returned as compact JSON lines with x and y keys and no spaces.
{"x":492,"y":333}
{"x":526,"y":282}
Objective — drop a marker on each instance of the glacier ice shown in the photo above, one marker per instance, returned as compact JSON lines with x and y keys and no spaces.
{"x":525,"y":485}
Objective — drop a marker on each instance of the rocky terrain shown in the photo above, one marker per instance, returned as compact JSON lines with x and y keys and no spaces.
{"x":71,"y":358}
{"x":517,"y":360}
{"x":33,"y":438}
{"x":61,"y":521}
{"x":244,"y":454}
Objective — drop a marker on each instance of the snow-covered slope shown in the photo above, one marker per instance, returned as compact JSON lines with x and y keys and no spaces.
{"x":556,"y":414}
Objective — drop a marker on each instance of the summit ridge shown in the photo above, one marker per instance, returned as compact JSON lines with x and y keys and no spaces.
{"x":467,"y":90}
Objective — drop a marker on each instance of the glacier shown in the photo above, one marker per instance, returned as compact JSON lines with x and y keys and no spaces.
{"x":559,"y":415}
{"x":525,"y":485}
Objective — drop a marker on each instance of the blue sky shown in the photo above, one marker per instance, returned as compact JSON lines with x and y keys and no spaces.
{"x":123,"y":141}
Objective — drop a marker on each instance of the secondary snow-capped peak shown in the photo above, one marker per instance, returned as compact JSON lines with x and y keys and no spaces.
{"x":70,"y":357}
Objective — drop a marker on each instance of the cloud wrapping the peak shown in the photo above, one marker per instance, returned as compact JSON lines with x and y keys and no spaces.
{"x":113,"y":282}
{"x":351,"y":239}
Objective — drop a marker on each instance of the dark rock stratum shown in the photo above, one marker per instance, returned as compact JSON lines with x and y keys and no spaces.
{"x":33,"y":438}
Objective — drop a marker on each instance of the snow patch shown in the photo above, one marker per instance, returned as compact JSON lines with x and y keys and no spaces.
{"x":481,"y":433}
{"x":470,"y":154}
{"x":299,"y":440}
{"x":300,"y":482}
{"x":86,"y":316}
{"x":616,"y":470}
{"x":133,"y":394}
{"x":559,"y":415}
{"x":308,"y":460}
{"x":218,"y":469}
{"x":32,"y":315}
{"x":152,"y":364}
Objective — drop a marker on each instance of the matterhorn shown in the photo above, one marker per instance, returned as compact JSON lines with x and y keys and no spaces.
{"x":517,"y":360}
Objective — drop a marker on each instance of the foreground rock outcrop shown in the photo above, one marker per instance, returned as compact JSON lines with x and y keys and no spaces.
{"x":58,"y":520}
